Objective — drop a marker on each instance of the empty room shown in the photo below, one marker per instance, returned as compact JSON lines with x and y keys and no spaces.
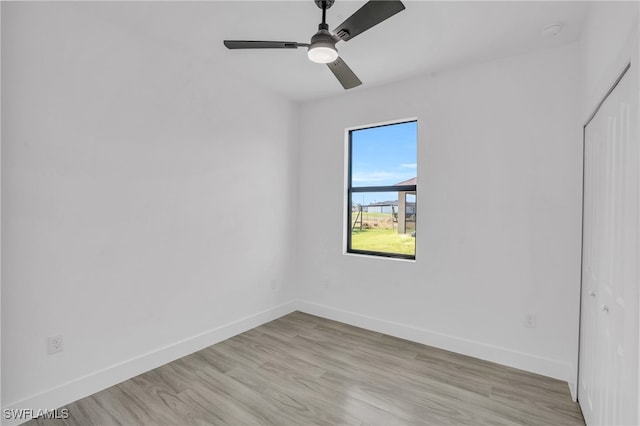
{"x":320,"y":212}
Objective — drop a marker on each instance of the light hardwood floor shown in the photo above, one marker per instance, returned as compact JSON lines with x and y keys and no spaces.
{"x":301,"y":369}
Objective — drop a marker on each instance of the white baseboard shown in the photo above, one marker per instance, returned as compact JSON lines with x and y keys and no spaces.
{"x":504,"y":356}
{"x":574,"y":391}
{"x":102,"y":379}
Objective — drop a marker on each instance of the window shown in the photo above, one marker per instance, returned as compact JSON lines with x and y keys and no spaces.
{"x":381,"y":190}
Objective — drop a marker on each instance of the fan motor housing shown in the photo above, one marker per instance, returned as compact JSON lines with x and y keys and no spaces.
{"x":323,"y":38}
{"x":329,"y":3}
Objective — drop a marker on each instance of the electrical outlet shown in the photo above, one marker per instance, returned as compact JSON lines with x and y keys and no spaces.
{"x":55,"y":344}
{"x":326,"y":283}
{"x":530,"y":321}
{"x":274,"y":284}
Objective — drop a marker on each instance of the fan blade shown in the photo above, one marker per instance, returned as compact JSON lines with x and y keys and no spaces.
{"x":343,"y":73}
{"x":372,"y":13}
{"x":249,"y":44}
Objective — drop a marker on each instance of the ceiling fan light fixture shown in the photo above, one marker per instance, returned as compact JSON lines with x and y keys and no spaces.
{"x":322,"y":49}
{"x":322,"y":54}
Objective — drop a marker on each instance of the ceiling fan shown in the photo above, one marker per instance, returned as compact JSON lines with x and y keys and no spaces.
{"x":322,"y":47}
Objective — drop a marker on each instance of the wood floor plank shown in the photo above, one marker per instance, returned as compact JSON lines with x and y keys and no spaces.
{"x":305,"y":370}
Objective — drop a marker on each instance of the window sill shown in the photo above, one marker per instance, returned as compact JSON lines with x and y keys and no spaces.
{"x":374,"y":256}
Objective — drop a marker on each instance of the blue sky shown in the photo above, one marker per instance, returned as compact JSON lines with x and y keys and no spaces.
{"x":383,"y":156}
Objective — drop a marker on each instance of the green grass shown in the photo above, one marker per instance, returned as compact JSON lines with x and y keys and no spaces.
{"x":383,"y":240}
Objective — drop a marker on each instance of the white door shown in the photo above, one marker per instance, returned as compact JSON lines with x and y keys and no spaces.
{"x":609,"y":326}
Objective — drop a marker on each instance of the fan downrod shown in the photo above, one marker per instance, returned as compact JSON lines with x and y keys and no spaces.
{"x":329,"y":3}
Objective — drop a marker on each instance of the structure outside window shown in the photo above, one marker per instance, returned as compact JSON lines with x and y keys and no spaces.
{"x":381,"y":190}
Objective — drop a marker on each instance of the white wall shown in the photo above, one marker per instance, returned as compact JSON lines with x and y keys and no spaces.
{"x":499,"y":210}
{"x":148,"y":201}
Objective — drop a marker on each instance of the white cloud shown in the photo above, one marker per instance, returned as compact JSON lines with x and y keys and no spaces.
{"x":409,"y":165}
{"x":380,"y":178}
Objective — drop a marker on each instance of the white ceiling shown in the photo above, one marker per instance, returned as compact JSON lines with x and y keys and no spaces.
{"x":427,"y":37}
